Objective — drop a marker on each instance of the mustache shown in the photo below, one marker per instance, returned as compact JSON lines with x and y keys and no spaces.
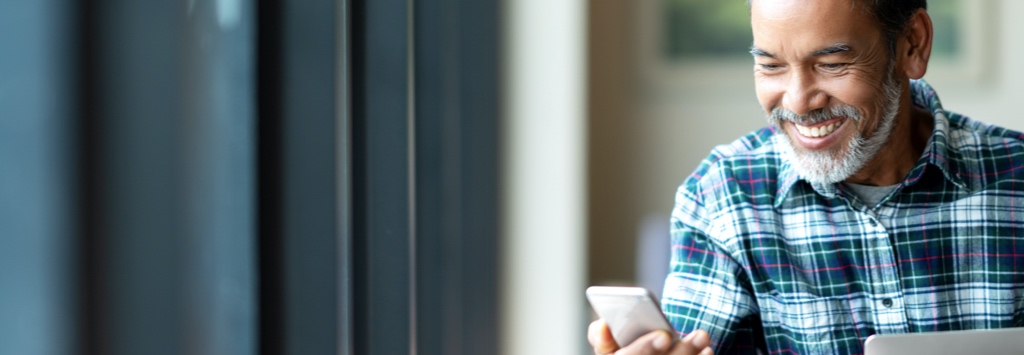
{"x":780,"y":114}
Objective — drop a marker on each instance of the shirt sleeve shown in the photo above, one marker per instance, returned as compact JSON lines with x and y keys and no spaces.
{"x":706,"y":288}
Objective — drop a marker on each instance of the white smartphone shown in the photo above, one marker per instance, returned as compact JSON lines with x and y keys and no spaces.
{"x":630,"y":312}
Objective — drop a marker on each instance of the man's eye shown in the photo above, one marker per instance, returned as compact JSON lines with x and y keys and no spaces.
{"x":770,"y":66}
{"x":833,"y":66}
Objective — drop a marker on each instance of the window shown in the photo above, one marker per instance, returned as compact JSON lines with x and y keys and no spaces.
{"x":683,"y":38}
{"x":721,"y":29}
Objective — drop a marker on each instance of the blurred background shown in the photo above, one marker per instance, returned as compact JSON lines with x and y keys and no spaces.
{"x":373,"y":177}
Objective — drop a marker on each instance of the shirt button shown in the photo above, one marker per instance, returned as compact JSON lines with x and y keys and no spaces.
{"x":887,"y":302}
{"x":873,"y":223}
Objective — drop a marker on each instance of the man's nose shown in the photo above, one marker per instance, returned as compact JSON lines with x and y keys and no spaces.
{"x":802,"y":94}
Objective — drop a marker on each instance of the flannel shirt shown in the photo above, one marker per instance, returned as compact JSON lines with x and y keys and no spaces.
{"x":767,"y":262}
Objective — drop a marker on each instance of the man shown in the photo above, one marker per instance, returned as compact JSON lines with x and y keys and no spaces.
{"x":865,"y":208}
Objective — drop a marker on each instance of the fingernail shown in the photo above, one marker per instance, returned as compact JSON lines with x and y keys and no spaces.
{"x":701,"y":341}
{"x":689,"y":336}
{"x":661,"y":342}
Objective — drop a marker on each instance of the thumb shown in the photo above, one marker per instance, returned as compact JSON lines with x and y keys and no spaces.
{"x":600,"y":338}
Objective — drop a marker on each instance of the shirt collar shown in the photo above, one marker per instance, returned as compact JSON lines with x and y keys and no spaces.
{"x":938,"y":151}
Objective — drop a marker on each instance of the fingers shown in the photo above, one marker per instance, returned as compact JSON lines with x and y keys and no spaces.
{"x":600,"y":338}
{"x":656,"y":342}
{"x":696,"y":343}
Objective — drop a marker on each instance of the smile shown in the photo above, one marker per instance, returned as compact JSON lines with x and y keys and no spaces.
{"x":819,"y":130}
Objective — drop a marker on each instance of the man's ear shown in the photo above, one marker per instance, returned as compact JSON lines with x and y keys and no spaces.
{"x":914,"y":47}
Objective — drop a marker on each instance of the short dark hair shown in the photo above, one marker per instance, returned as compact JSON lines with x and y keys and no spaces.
{"x":892,"y":15}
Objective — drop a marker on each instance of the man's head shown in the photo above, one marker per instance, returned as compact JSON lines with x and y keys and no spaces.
{"x":832,"y":74}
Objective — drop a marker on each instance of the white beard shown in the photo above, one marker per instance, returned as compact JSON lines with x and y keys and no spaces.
{"x":836,"y":165}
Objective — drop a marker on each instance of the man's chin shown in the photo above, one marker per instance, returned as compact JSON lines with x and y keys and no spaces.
{"x":821,"y":174}
{"x":818,"y":166}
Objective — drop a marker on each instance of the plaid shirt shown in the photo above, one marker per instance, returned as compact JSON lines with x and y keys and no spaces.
{"x":764,"y":260}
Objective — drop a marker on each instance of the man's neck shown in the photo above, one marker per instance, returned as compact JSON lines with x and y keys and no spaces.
{"x":913,"y":128}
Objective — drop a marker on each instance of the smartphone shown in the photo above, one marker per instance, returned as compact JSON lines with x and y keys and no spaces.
{"x":630,"y":312}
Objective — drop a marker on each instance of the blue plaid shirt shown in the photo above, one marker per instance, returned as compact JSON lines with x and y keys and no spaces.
{"x":764,"y":260}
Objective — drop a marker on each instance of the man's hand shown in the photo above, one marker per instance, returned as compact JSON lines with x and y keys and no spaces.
{"x":658,"y":342}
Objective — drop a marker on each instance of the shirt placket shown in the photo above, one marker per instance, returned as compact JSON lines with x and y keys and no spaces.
{"x":887,"y":301}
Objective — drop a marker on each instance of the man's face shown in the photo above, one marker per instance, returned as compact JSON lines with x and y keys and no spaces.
{"x":824,"y":77}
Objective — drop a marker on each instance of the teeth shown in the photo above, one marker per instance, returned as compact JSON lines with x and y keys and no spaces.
{"x":817,"y":132}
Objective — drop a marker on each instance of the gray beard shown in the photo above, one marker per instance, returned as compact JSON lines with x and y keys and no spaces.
{"x":838,"y":164}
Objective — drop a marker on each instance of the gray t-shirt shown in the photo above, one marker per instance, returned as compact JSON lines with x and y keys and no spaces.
{"x":870,"y":195}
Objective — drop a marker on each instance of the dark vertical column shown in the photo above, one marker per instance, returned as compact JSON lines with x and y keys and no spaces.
{"x":136,"y":224}
{"x":479,"y":38}
{"x":166,"y":150}
{"x":382,"y":156}
{"x":269,"y":177}
{"x":37,"y":262}
{"x":310,"y":230}
{"x":301,"y":136}
{"x":438,"y":194}
{"x":91,"y":334}
{"x":456,"y":86}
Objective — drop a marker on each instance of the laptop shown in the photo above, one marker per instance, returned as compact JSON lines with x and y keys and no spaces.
{"x":1008,"y":341}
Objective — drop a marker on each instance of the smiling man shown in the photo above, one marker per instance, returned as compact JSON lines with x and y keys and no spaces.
{"x":864,"y":208}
